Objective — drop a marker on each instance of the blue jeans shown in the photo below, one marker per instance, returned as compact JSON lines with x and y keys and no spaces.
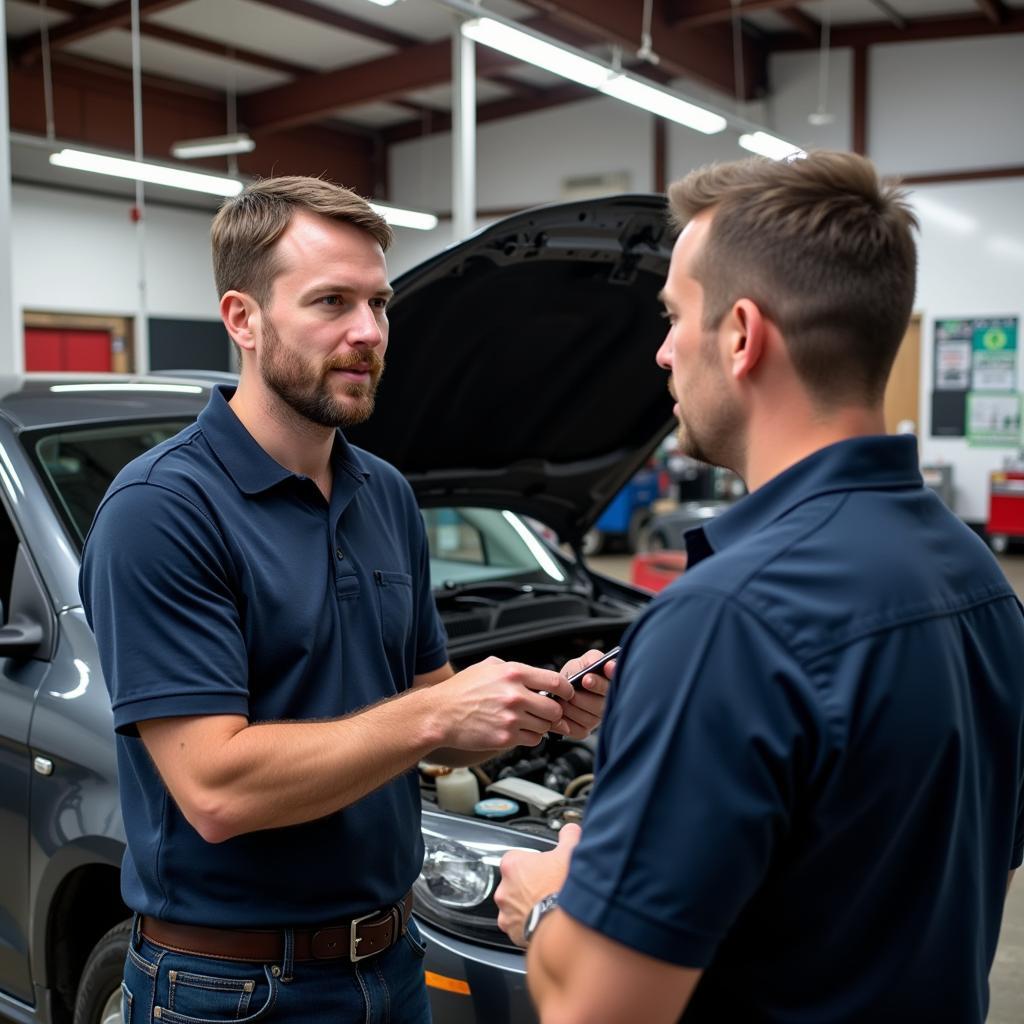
{"x":388,"y":988}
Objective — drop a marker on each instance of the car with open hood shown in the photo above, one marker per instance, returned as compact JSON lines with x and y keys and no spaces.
{"x":521,"y":389}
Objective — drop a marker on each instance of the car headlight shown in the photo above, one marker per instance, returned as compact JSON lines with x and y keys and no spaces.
{"x":460,"y":873}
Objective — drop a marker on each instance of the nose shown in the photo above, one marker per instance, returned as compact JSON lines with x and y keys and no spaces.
{"x":367,"y":328}
{"x":663,"y":357}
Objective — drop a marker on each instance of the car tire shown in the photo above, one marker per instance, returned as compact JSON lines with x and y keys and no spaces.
{"x":998,"y":542}
{"x":638,"y":522}
{"x":99,"y":992}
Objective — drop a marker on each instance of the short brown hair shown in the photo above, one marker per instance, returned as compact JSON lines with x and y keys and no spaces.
{"x":823,"y":248}
{"x":248,"y":225}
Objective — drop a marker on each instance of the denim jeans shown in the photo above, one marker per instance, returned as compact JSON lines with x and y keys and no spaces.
{"x":184,"y":988}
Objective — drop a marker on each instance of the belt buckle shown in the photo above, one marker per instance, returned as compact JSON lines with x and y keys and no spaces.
{"x":354,"y":940}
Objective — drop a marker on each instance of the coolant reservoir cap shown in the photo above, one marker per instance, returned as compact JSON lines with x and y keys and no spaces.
{"x":496,"y":807}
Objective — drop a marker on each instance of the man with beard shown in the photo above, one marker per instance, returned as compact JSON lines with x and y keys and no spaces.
{"x":261,"y":599}
{"x":810,"y":781}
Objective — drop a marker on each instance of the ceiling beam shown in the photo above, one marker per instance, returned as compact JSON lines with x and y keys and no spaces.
{"x":336,"y":19}
{"x":694,"y":13}
{"x":433,"y":122}
{"x":315,"y":96}
{"x":705,"y":54}
{"x":917,"y":30}
{"x":96,"y":19}
{"x":993,"y":10}
{"x":173,"y":35}
{"x":808,"y":27}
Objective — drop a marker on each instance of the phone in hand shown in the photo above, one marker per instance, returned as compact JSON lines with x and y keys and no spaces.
{"x":577,"y":677}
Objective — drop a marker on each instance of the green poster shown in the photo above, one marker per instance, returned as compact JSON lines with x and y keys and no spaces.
{"x":994,"y":351}
{"x":993,"y":419}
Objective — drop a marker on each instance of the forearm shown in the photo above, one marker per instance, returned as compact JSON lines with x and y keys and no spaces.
{"x":276,"y":774}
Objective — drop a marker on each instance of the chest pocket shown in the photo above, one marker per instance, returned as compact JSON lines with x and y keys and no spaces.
{"x":394,"y":598}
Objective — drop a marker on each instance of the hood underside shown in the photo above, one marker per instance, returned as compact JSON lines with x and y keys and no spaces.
{"x":520,"y":368}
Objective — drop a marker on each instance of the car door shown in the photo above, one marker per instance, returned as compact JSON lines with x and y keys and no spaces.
{"x":20,"y":679}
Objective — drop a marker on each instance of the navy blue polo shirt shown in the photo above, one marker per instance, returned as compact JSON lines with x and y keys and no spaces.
{"x":810,"y":772}
{"x":219,"y":582}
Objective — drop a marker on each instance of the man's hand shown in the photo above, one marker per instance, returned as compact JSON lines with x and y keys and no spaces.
{"x":497,"y":704}
{"x":583,"y":713}
{"x":527,"y":877}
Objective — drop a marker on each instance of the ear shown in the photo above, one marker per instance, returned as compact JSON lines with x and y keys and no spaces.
{"x":241,"y":317}
{"x":746,"y":331}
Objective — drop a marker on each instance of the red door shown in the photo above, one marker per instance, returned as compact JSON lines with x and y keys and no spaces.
{"x":64,"y":350}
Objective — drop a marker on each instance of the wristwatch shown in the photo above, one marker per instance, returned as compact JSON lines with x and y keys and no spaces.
{"x":538,"y":911}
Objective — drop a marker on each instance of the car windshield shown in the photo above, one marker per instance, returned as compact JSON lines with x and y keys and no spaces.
{"x":468,"y":546}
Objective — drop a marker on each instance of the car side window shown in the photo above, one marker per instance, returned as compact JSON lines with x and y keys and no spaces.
{"x":8,"y":552}
{"x":453,"y":538}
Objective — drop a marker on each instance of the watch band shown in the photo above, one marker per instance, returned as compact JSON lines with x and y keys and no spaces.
{"x":538,"y":912}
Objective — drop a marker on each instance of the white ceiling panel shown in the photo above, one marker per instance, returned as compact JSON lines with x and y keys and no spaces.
{"x":375,"y":115}
{"x":173,"y":61}
{"x":769,"y":21}
{"x":844,"y":12}
{"x":24,"y":18}
{"x":259,"y":27}
{"x":421,"y":19}
{"x":534,"y":76}
{"x":935,"y":8}
{"x":439,"y":97}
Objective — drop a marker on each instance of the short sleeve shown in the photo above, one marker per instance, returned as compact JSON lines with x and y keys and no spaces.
{"x":702,"y":757}
{"x":156,"y":586}
{"x":431,"y":640}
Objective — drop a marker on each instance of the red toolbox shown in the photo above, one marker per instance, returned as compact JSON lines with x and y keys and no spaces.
{"x":658,"y":569}
{"x":1005,"y":507}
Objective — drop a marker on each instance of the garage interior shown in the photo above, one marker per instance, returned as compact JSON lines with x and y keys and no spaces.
{"x":100,"y":273}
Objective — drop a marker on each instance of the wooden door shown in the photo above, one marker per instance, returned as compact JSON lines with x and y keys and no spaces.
{"x":903,"y":394}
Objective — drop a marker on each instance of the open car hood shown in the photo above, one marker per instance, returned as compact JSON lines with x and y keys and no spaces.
{"x":520,"y":370}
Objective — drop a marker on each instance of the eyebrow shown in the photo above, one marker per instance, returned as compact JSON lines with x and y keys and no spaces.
{"x":387,"y":292}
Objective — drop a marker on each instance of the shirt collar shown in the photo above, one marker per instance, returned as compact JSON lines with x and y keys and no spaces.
{"x":856,"y":464}
{"x":251,"y":468}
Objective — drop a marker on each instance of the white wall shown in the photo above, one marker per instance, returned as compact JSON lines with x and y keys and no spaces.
{"x":77,"y":253}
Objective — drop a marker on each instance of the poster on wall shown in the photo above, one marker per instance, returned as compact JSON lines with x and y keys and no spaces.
{"x":972,"y":355}
{"x":993,"y":419}
{"x":994,"y":352}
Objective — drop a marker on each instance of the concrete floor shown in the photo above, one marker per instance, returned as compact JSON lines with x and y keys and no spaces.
{"x":1007,"y":978}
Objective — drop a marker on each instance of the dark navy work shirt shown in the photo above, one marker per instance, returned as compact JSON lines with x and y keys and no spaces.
{"x":218,"y":582}
{"x":810,"y":773}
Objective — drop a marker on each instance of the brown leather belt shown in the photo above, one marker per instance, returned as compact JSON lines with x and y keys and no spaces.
{"x":353,"y":940}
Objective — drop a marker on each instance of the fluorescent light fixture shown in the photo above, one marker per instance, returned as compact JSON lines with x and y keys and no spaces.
{"x":213,"y":145}
{"x":769,"y":145}
{"x":155,"y":174}
{"x":400,"y":218}
{"x":184,"y":389}
{"x":594,"y":74}
{"x":382,"y":3}
{"x":663,"y":103}
{"x":529,"y":48}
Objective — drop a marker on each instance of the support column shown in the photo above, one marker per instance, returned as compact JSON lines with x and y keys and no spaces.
{"x":860,"y":100}
{"x":12,"y":338}
{"x":463,"y":135}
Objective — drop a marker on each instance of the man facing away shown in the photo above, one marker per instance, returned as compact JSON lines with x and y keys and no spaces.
{"x":260,"y":594}
{"x":809,"y":788}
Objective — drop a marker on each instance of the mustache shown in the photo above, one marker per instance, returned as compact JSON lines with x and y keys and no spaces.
{"x":371,"y":362}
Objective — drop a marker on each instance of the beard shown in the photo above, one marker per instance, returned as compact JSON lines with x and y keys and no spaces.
{"x":714,"y":434}
{"x":307,"y":389}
